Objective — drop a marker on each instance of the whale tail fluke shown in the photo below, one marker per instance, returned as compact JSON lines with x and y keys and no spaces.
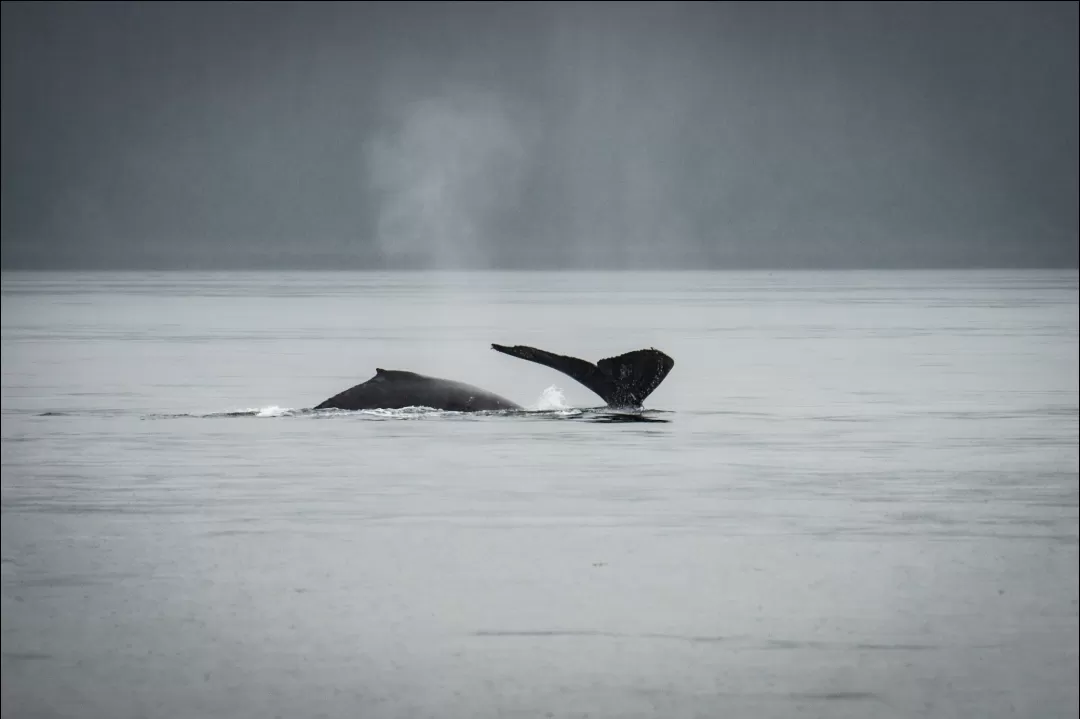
{"x":622,"y":381}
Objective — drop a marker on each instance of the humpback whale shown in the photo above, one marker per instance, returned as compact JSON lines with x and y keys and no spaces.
{"x":622,"y":382}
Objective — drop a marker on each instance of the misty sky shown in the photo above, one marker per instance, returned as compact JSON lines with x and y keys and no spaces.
{"x":620,"y":135}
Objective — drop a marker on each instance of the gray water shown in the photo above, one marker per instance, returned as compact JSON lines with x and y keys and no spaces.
{"x":859,"y":498}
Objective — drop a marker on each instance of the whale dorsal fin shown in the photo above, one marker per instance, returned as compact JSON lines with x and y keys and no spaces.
{"x":622,"y":381}
{"x":396,"y":374}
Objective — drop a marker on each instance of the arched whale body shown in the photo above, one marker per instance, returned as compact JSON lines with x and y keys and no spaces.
{"x":395,"y":389}
{"x":623,"y":382}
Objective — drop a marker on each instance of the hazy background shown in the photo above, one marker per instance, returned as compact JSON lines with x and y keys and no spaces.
{"x":548,"y":135}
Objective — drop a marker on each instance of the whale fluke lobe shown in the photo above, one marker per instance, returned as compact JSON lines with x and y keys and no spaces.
{"x":622,"y":381}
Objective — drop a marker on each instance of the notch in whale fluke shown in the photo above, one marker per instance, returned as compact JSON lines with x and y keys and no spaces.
{"x":623,"y":381}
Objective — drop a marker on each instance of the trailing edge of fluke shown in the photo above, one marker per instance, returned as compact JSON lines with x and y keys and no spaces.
{"x":622,"y":382}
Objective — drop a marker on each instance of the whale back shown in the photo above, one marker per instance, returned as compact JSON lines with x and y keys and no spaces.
{"x":397,"y":389}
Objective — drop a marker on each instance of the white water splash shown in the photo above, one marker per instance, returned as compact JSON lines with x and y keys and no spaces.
{"x":271,"y":411}
{"x":551,"y":399}
{"x":417,"y":412}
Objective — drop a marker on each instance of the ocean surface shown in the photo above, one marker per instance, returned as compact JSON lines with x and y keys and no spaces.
{"x":856,"y":496}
